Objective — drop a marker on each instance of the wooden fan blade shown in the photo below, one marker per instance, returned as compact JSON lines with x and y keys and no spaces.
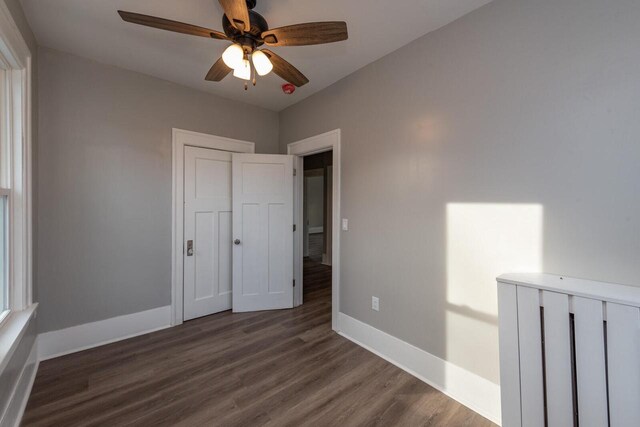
{"x":175,"y":26}
{"x":306,"y":34}
{"x":237,"y":12}
{"x":218,"y":71}
{"x":286,"y":70}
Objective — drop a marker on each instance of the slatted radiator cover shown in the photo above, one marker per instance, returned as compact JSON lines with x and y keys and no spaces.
{"x":569,"y":352}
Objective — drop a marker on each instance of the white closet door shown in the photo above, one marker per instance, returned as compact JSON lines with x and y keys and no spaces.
{"x":207,"y":232}
{"x":262,"y":232}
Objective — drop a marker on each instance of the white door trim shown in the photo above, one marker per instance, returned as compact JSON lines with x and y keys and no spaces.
{"x":329,"y":141}
{"x":180,"y":139}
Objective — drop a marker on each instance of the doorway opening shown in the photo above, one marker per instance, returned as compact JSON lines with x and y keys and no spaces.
{"x":317,"y":207}
{"x":313,"y":270}
{"x":317,"y":224}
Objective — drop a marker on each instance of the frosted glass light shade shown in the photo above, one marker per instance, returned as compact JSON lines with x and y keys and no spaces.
{"x":243,"y":71}
{"x":262,"y":63}
{"x":233,"y":56}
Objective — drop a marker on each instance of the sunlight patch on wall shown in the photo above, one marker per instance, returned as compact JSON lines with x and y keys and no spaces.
{"x":485,"y":240}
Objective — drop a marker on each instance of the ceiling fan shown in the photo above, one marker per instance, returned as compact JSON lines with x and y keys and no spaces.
{"x":248,"y":31}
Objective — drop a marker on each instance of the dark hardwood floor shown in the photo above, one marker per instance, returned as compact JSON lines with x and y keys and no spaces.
{"x":278,"y":368}
{"x":316,"y":246}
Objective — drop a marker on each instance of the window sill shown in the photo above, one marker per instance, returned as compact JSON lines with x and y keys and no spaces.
{"x":12,"y":330}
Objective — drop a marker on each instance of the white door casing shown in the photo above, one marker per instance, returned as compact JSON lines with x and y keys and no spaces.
{"x":262,"y":232}
{"x":207,"y":232}
{"x":329,"y":141}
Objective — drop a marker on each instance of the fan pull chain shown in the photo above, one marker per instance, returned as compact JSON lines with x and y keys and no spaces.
{"x":254,"y":72}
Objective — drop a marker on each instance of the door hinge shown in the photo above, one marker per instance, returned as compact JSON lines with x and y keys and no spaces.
{"x":294,"y":283}
{"x":294,"y":228}
{"x":295,"y":172}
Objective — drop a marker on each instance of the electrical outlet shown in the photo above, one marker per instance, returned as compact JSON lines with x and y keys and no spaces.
{"x":345,"y":224}
{"x":375,"y":303}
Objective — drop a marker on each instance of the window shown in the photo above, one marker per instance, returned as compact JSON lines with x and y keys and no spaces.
{"x":15,"y":170}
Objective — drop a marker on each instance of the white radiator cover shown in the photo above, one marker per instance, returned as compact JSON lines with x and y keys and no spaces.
{"x":569,"y":352}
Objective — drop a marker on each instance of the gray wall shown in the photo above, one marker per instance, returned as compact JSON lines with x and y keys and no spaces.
{"x":104,"y":218}
{"x":315,"y":200}
{"x":521,"y":118}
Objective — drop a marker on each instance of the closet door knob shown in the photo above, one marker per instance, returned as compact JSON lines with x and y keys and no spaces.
{"x":236,"y":242}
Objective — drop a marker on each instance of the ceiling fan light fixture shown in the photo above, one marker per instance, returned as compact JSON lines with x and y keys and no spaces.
{"x":233,"y":56}
{"x":262,"y":63}
{"x":247,"y":30}
{"x":243,"y":71}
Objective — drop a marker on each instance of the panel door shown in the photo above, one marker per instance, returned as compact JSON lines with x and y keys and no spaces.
{"x":207,"y":232}
{"x":262,"y":232}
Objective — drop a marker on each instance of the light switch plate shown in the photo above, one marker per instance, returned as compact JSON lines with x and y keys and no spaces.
{"x":375,"y":303}
{"x":345,"y":224}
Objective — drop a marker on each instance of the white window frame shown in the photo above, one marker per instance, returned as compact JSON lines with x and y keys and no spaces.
{"x":15,"y":60}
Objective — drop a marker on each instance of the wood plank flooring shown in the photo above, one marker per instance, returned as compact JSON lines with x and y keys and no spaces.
{"x":316,"y":246}
{"x":277,"y":368}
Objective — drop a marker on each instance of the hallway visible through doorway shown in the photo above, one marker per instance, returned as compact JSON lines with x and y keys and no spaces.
{"x":317,"y":215}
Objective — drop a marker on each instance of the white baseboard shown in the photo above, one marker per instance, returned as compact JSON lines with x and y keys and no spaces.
{"x":18,"y":403}
{"x":471,"y":390}
{"x":82,"y":337}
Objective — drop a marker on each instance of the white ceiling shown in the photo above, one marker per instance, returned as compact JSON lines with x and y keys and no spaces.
{"x":93,"y":29}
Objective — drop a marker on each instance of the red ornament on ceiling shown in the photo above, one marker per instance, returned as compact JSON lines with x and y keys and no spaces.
{"x":288,"y":88}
